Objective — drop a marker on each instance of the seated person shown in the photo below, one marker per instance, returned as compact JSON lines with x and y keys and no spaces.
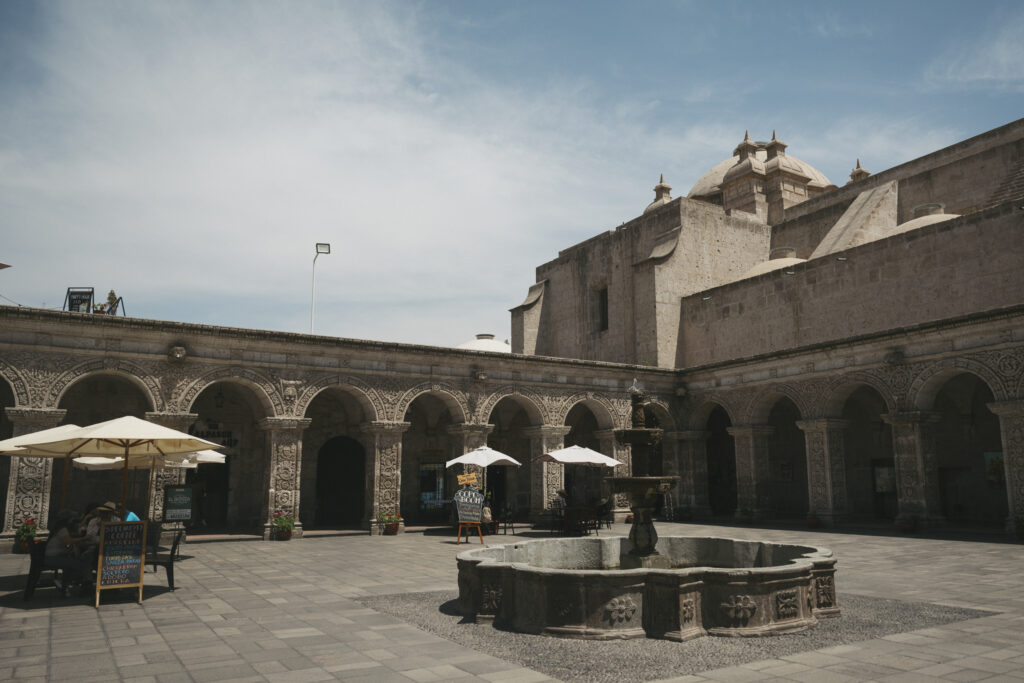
{"x":100,"y":514}
{"x":61,"y":551}
{"x":561,"y":499}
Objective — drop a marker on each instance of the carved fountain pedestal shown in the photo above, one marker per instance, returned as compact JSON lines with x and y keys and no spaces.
{"x":643,"y":494}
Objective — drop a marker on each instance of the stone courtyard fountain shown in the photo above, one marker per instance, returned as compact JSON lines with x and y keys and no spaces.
{"x":676,"y":588}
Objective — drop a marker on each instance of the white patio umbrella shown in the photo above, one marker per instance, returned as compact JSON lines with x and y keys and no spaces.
{"x":24,"y":447}
{"x":578,"y":455}
{"x":483,"y":457}
{"x":127,"y":437}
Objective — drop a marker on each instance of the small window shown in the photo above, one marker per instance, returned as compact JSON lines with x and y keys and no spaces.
{"x":601,"y":308}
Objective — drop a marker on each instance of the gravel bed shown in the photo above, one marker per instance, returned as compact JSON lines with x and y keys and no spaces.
{"x":645,"y":659}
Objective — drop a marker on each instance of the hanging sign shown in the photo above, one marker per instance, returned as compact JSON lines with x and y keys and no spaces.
{"x":467,"y":479}
{"x":469,"y":504}
{"x":178,"y":504}
{"x":122,"y":557}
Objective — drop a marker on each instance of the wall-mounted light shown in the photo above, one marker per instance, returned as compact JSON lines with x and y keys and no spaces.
{"x":841,"y":258}
{"x":789,"y":272}
{"x":705,"y":298}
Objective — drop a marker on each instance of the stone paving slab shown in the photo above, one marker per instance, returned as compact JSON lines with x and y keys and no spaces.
{"x":256,"y":611}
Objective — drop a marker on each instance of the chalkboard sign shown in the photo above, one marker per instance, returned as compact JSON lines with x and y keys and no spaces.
{"x":467,"y":479}
{"x":178,"y":504}
{"x":122,"y":557}
{"x":469,"y":503}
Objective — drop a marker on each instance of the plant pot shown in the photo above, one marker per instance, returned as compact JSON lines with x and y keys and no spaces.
{"x":283,"y":535}
{"x":23,"y":546}
{"x":391,"y":529}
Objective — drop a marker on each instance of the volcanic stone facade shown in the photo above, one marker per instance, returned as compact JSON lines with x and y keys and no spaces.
{"x":844,"y":354}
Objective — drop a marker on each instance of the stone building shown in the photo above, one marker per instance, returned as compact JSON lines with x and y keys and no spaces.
{"x":849,"y":353}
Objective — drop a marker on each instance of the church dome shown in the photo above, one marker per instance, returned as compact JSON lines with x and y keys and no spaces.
{"x":486,"y":342}
{"x":710,"y":184}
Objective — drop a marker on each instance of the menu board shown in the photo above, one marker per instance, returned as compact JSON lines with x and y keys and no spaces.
{"x":178,"y":504}
{"x":122,"y":557}
{"x":469,"y":504}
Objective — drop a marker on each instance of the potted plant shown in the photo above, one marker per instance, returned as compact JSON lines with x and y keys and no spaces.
{"x":390,"y":521}
{"x":282,"y":526}
{"x":99,"y":309}
{"x":25,"y":536}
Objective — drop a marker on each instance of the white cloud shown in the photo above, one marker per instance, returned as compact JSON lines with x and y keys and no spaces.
{"x":992,"y":61}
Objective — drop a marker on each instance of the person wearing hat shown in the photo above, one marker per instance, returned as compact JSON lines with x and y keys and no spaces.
{"x":100,"y":514}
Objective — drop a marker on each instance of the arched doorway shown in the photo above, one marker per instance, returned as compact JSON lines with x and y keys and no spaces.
{"x":585,"y":485}
{"x":787,"y":461}
{"x":509,"y":487}
{"x":340,"y":483}
{"x":721,"y":455}
{"x":334,"y":484}
{"x":867,"y":451}
{"x":427,"y":485}
{"x":91,"y":399}
{"x":231,"y":496}
{"x":969,"y":453}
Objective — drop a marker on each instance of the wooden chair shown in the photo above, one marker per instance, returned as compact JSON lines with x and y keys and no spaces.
{"x":36,"y":568}
{"x":156,"y":559}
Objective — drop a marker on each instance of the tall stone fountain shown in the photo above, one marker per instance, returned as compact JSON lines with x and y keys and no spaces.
{"x":643,"y":492}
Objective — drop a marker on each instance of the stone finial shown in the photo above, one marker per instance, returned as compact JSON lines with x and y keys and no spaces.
{"x":776,"y":147}
{"x":747,"y":148}
{"x":858,"y":173}
{"x":662,"y":194}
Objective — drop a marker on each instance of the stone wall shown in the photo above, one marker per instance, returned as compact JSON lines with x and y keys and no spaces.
{"x":955,"y":268}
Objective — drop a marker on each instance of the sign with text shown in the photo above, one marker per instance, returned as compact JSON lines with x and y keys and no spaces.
{"x":122,"y":557}
{"x":469,"y":503}
{"x":178,"y":504}
{"x":467,"y":479}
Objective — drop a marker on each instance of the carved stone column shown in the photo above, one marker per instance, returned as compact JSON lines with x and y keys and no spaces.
{"x":917,"y":475}
{"x":1011,"y":426}
{"x":165,"y":476}
{"x":611,"y":447}
{"x":28,"y":490}
{"x":284,"y":441}
{"x":752,"y":495}
{"x":693,"y":471}
{"x":545,"y":477}
{"x":384,"y":440}
{"x":465,"y":438}
{"x":826,"y":468}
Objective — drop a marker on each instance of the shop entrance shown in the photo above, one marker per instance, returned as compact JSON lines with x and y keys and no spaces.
{"x":340,"y":483}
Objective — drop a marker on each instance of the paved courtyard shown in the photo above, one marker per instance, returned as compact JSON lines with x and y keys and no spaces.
{"x":254,"y":611}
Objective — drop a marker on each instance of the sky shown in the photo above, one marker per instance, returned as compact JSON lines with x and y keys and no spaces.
{"x":189,"y":155}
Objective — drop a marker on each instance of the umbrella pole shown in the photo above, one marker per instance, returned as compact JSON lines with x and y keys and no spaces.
{"x":64,"y":482}
{"x":149,"y":489}
{"x":124,"y":486}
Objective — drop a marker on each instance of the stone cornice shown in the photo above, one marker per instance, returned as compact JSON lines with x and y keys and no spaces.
{"x":284,"y":423}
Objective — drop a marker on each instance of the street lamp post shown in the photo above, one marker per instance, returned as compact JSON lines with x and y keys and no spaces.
{"x":321,"y":248}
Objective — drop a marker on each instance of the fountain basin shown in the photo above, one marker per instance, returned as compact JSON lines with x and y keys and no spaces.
{"x":575,"y":587}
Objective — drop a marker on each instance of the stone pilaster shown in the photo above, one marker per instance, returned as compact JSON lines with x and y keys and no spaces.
{"x":826,"y":468}
{"x":166,"y":476}
{"x":917,"y":475}
{"x":467,"y":437}
{"x":284,"y":441}
{"x":1011,"y":426}
{"x":693,"y":470}
{"x":752,"y":495}
{"x":28,"y":490}
{"x":611,"y":447}
{"x":384,"y":440}
{"x":545,"y":477}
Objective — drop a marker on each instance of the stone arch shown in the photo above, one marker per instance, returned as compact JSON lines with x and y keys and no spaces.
{"x":761,"y":403}
{"x":842,"y":387}
{"x":704,"y":406}
{"x":454,"y":399}
{"x":60,"y":386}
{"x":663,"y":413}
{"x":19,"y":387}
{"x":262,"y":387}
{"x":530,"y":401}
{"x":364,"y":395}
{"x":606,"y":413}
{"x":929,"y":381}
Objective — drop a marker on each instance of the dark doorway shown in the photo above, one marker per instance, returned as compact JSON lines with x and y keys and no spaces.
{"x":340,"y":482}
{"x":210,"y":495}
{"x":721,"y":464}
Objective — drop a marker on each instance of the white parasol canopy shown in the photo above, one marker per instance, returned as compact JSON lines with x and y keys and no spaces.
{"x":126,"y":437}
{"x":483,"y":457}
{"x":24,"y":447}
{"x":95,"y":463}
{"x":578,"y":455}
